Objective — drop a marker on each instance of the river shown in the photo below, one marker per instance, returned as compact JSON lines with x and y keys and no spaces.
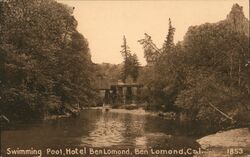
{"x":98,"y":128}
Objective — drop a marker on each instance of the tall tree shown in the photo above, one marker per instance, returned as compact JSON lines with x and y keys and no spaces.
{"x":169,"y":42}
{"x":126,"y":63}
{"x":130,"y":63}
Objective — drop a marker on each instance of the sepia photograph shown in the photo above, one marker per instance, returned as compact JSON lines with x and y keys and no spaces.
{"x":124,"y":78}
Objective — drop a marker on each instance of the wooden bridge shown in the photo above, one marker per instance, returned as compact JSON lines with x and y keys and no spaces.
{"x":121,"y":93}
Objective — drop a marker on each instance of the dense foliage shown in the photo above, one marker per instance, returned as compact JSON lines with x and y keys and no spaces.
{"x":106,"y":74}
{"x":208,"y":70}
{"x":45,"y":63}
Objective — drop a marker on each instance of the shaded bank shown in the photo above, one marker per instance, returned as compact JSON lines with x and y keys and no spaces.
{"x":45,"y":63}
{"x":179,"y":117}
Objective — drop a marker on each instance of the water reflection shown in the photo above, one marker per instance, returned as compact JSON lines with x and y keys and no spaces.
{"x":108,"y":131}
{"x":114,"y":129}
{"x":141,"y":142}
{"x":100,"y":129}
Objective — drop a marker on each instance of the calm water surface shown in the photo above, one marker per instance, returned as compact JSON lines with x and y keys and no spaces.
{"x":97,"y":128}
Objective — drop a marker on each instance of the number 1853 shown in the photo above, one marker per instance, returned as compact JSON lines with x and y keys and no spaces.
{"x":234,"y":151}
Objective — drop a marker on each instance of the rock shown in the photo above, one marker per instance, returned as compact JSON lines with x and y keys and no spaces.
{"x":232,"y":138}
{"x":238,"y":20}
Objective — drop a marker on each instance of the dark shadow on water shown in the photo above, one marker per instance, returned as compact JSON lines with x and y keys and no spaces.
{"x":95,"y":128}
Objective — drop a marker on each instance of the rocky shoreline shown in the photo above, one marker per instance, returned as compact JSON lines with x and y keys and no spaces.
{"x":234,"y":142}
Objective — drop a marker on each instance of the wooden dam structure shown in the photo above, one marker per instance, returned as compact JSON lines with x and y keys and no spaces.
{"x":121,"y":93}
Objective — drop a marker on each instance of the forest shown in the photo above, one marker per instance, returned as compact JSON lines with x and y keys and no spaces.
{"x":45,"y":65}
{"x":205,"y":75}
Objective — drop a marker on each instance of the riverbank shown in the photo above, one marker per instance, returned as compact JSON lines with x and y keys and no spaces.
{"x":226,"y":143}
{"x":139,"y":109}
{"x":54,"y":117}
{"x":135,"y":111}
{"x":169,"y":116}
{"x":178,"y":118}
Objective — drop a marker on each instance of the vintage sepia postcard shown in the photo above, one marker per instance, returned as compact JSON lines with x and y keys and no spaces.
{"x":124,"y":78}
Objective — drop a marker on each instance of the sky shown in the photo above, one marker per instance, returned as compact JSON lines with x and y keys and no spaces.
{"x":104,"y":23}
